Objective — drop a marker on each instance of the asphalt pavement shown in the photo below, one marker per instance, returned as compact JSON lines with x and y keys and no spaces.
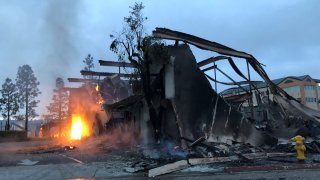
{"x":97,"y":159}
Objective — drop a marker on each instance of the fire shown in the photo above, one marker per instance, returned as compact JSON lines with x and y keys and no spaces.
{"x":99,"y":98}
{"x":79,"y":128}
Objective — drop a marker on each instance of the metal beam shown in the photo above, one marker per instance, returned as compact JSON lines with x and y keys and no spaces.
{"x":199,"y":42}
{"x":231,"y":79}
{"x":229,"y":83}
{"x":211,"y":60}
{"x":216,"y":81}
{"x":241,"y":82}
{"x":209,"y":68}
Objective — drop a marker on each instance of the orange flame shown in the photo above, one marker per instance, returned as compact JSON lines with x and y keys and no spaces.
{"x":99,"y":98}
{"x":79,"y":128}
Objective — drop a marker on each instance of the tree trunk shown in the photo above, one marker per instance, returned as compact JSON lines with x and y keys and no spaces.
{"x":60,"y":102}
{"x":27,"y":109}
{"x":145,"y":77}
{"x":8,"y":115}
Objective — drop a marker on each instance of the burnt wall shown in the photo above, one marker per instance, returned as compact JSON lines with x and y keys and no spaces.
{"x":201,"y":111}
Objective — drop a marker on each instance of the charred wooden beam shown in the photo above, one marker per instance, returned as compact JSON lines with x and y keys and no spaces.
{"x":81,"y":80}
{"x":115,"y":64}
{"x":94,"y":73}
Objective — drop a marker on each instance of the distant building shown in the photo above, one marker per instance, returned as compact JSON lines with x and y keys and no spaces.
{"x":303,"y":88}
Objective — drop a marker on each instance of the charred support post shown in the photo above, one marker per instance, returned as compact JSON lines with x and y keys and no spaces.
{"x":268,"y":96}
{"x":215,"y":77}
{"x":250,"y":89}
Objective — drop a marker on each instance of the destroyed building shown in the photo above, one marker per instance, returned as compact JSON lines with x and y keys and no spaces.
{"x":188,"y":109}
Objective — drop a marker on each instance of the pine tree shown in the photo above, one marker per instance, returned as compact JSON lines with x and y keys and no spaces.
{"x":58,"y":109}
{"x":9,"y":101}
{"x":88,"y":61}
{"x":27,"y":85}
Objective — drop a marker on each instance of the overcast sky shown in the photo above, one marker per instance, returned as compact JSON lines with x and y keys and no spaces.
{"x":54,"y":36}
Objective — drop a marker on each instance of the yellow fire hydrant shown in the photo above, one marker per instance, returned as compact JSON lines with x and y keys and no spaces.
{"x":299,"y":147}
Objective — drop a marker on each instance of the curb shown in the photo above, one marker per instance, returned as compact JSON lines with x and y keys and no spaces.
{"x":272,"y":168}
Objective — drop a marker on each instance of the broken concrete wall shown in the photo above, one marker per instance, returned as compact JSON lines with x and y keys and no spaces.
{"x":192,"y":93}
{"x":201,"y":111}
{"x":145,"y":129}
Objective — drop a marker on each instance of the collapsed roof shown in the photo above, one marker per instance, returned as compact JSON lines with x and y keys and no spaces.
{"x":280,"y":96}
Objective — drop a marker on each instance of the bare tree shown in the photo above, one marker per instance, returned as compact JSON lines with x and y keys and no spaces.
{"x":88,"y":61}
{"x":134,"y":45}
